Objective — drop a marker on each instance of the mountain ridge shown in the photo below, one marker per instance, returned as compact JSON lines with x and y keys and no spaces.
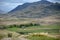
{"x":25,"y":5}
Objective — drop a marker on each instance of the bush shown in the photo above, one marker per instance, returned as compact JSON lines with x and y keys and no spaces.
{"x":23,"y":32}
{"x":2,"y":27}
{"x":23,"y":25}
{"x":9,"y":34}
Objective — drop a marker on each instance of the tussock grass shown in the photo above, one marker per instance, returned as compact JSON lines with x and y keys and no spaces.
{"x":41,"y":37}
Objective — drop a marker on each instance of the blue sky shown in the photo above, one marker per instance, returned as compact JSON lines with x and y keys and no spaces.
{"x":7,"y":5}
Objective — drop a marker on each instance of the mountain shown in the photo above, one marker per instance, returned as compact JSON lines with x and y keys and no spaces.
{"x":20,"y":7}
{"x":40,"y":12}
{"x":25,"y":5}
{"x":56,"y":7}
{"x":38,"y":9}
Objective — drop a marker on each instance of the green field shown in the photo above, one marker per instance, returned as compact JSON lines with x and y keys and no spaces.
{"x":25,"y":29}
{"x":36,"y":29}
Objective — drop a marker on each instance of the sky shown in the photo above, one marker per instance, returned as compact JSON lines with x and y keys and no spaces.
{"x":7,"y":5}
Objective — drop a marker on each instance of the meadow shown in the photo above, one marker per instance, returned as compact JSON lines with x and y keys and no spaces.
{"x":25,"y":29}
{"x":41,"y":37}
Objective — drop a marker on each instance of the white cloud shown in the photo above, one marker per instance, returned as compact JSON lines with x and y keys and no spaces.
{"x":54,"y":0}
{"x":12,"y":1}
{"x":5,"y":3}
{"x":8,"y":6}
{"x":30,"y":0}
{"x":22,"y":1}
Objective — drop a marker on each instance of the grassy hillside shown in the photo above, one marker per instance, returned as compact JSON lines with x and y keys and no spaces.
{"x":41,"y":37}
{"x":45,"y":20}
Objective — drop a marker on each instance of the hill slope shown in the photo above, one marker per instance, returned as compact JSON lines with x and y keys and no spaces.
{"x":35,"y":10}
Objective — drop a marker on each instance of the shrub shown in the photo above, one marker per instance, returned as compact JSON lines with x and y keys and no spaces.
{"x":2,"y":27}
{"x":40,"y":37}
{"x":9,"y":34}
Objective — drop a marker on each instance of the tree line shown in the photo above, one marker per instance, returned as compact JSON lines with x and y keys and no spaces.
{"x":20,"y":26}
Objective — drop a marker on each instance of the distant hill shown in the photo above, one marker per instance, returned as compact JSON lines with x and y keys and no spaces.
{"x":1,"y":11}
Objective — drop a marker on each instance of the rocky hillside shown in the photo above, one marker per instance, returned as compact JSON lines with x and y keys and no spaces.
{"x":35,"y":10}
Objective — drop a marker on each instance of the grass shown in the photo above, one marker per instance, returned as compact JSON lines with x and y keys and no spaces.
{"x":1,"y":36}
{"x":35,"y":29}
{"x":33,"y":37}
{"x":51,"y":29}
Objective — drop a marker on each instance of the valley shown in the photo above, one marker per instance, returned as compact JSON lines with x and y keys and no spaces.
{"x":31,"y":21}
